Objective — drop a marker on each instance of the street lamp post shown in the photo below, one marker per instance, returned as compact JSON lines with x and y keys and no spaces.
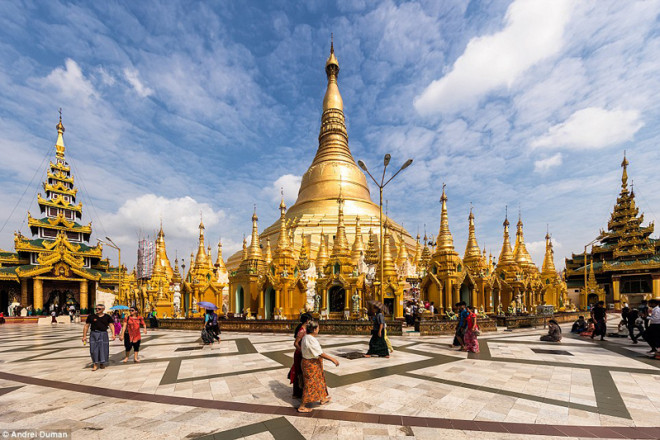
{"x":114,"y":246}
{"x":380,"y":186}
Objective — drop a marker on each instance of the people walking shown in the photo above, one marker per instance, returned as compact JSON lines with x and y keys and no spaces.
{"x":472,"y":331}
{"x":296,"y":373}
{"x":599,"y":315}
{"x":652,"y":333}
{"x":99,"y":345}
{"x":377,"y":343}
{"x":461,"y":325}
{"x":635,"y":323}
{"x":315,"y":388}
{"x":211,"y":325}
{"x":116,"y":318}
{"x":130,"y":333}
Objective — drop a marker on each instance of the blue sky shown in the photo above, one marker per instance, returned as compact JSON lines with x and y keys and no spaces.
{"x":172,"y":108}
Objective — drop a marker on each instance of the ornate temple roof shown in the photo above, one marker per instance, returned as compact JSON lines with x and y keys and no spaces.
{"x":626,"y":245}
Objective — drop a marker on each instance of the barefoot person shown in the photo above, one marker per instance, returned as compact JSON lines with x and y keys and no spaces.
{"x":296,"y":373}
{"x":130,"y":334}
{"x":377,"y":343}
{"x":99,"y":345}
{"x":314,"y":388}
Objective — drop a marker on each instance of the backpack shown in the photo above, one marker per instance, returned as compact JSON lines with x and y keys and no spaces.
{"x":214,"y":320}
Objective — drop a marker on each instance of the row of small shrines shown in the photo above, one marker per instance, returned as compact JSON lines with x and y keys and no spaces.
{"x":338,"y":279}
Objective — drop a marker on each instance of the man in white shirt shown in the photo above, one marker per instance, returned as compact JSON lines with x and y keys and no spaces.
{"x":652,"y":334}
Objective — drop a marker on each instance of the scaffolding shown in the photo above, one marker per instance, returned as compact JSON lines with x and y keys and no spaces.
{"x":146,"y":256}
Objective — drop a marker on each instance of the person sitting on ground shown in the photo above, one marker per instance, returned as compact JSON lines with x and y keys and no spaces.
{"x":554,"y":332}
{"x":622,"y":331}
{"x":591,"y":326}
{"x":579,"y":326}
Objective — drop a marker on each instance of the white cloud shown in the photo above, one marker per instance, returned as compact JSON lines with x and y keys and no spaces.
{"x":592,"y":127}
{"x":290,"y":184}
{"x":533,"y":31}
{"x":132,"y":76}
{"x":537,"y":251}
{"x":141,"y":216}
{"x":543,"y":165}
{"x":70,"y":82}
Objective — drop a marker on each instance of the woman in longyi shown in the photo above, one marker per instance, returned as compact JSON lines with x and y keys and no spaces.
{"x":314,"y":388}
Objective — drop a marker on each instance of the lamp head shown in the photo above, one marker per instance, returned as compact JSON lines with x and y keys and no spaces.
{"x":386,"y":160}
{"x":407,"y":164}
{"x":362,"y":165}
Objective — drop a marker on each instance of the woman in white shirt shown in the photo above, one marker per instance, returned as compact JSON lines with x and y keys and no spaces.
{"x":315,"y":389}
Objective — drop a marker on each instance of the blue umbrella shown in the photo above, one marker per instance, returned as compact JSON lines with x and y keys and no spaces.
{"x":119,"y":307}
{"x":207,"y":305}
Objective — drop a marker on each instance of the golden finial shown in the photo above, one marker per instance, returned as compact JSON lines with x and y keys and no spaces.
{"x":282,"y":204}
{"x":506,"y":216}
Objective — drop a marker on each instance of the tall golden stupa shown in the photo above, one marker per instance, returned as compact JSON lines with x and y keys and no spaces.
{"x":333,"y":171}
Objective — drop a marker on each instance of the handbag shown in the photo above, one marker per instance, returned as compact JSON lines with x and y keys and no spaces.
{"x":476,"y":331}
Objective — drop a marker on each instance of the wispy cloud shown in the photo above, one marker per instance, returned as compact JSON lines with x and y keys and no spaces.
{"x":543,"y":165}
{"x":133,"y":78}
{"x":592,"y":128}
{"x":533,"y":31}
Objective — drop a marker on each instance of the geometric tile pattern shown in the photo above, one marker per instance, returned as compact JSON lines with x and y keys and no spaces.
{"x":516,"y":387}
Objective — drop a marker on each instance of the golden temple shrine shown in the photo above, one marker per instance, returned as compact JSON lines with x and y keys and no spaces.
{"x":56,"y":267}
{"x":336,"y":275}
{"x":624,"y":263}
{"x":513,"y":285}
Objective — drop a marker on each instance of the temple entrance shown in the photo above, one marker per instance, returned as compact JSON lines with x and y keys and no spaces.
{"x":4,"y":302}
{"x":239,"y":300}
{"x":465,"y":294}
{"x":592,"y":299}
{"x":336,"y":299}
{"x":389,"y":306}
{"x":269,"y":303}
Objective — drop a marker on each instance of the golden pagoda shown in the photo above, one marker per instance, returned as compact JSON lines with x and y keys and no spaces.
{"x":56,"y":267}
{"x":625,"y":260}
{"x":332,"y":171}
{"x":554,"y":288}
{"x":205,"y":280}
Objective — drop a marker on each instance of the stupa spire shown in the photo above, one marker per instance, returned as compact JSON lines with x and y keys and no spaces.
{"x":472,"y":254}
{"x":219,"y":262}
{"x":445,"y":241}
{"x":388,"y":262}
{"x":303,"y":258}
{"x":283,"y":240}
{"x":548,"y":267}
{"x":254,"y":252}
{"x":333,"y":160}
{"x":340,"y":247}
{"x":358,"y":244}
{"x":200,"y":258}
{"x":59,"y":144}
{"x":322,"y":255}
{"x":520,"y":253}
{"x":506,"y":255}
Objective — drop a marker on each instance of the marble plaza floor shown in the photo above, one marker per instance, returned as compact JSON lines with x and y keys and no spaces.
{"x":516,"y":388}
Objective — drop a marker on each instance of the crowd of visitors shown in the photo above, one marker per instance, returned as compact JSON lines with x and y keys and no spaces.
{"x":642,"y":322}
